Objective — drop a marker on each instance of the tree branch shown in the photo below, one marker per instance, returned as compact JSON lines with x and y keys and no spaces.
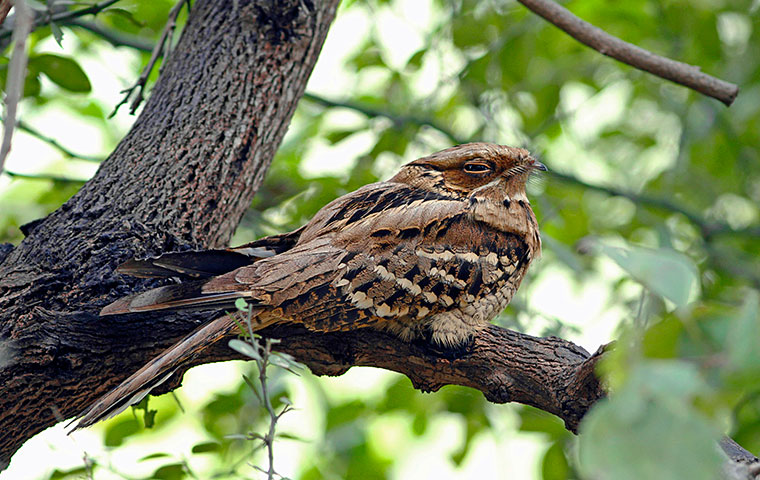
{"x":707,"y":228}
{"x":115,"y":38}
{"x":159,"y":50}
{"x":398,"y":120}
{"x":16,"y":74}
{"x":24,"y":127}
{"x":43,"y":176}
{"x":65,"y":16}
{"x":601,"y":41}
{"x":551,"y":374}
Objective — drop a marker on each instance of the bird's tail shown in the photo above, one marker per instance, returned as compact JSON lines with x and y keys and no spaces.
{"x":157,"y":371}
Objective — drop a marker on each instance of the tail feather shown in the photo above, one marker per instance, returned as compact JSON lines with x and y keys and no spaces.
{"x":209,"y":263}
{"x":188,"y":295}
{"x":157,"y":371}
{"x":195,"y":264}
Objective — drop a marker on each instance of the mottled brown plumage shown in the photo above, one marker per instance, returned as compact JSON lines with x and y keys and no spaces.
{"x":435,"y":253}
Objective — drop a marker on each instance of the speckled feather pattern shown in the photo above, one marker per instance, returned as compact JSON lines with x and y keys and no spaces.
{"x":435,"y":252}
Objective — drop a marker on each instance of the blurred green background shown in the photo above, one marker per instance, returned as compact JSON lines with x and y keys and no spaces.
{"x":649,"y":217}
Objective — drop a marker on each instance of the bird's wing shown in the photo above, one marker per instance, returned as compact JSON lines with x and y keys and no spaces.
{"x":384,"y":251}
{"x":209,"y":263}
{"x":392,"y":264}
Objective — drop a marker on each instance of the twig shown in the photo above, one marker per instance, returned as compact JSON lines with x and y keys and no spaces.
{"x":24,"y":127}
{"x":16,"y":72}
{"x":707,"y":229}
{"x":601,"y":41}
{"x":396,"y":119}
{"x":35,"y":176}
{"x":64,"y":17}
{"x":117,"y":39}
{"x":160,"y":49}
{"x":262,"y":354}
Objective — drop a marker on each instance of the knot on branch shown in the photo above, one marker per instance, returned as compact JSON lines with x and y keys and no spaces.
{"x":279,"y":21}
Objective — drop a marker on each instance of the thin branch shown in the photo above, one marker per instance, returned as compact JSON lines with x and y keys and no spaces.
{"x":601,"y":41}
{"x":398,"y":120}
{"x":24,"y":127}
{"x":43,"y":176}
{"x":16,"y":73}
{"x":117,"y":39}
{"x":707,"y":229}
{"x":65,"y":16}
{"x":160,"y":49}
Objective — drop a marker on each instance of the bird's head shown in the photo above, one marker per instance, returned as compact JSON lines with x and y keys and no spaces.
{"x":472,"y":169}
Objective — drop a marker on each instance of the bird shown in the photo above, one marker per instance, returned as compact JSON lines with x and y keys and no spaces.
{"x":432,"y":254}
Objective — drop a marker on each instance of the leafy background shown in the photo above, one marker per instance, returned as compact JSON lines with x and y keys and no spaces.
{"x":649,"y":217}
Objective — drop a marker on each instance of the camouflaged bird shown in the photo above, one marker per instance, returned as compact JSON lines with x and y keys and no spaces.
{"x":434,"y":253}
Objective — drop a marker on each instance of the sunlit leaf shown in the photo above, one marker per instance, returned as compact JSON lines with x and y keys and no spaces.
{"x":744,"y":336}
{"x":207,"y":447}
{"x":245,"y":348}
{"x":119,"y":431}
{"x":554,"y":464}
{"x":649,"y":429}
{"x":63,"y":71}
{"x":665,"y":272}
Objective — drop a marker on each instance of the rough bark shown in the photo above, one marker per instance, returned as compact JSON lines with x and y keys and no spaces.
{"x":552,"y":374}
{"x":181,"y":178}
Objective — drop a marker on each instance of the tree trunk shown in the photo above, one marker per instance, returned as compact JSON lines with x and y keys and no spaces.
{"x":181,"y":178}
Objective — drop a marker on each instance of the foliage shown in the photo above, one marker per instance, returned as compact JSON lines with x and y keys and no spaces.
{"x":649,"y":216}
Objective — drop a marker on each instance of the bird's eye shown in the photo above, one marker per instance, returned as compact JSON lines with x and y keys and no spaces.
{"x":478,"y":167}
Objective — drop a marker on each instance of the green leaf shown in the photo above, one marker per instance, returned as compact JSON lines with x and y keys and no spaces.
{"x":667,"y":273}
{"x":206,"y":447}
{"x":241,"y":305}
{"x":175,"y":471}
{"x":535,"y":420}
{"x":57,"y":33}
{"x":245,"y":348}
{"x":415,"y":61}
{"x":154,"y":455}
{"x":63,"y":71}
{"x":117,"y":432}
{"x":554,"y":464}
{"x":743,"y":339}
{"x":78,"y":472}
{"x":338,"y":135}
{"x":126,"y":15}
{"x":661,"y":339}
{"x":650,"y":429}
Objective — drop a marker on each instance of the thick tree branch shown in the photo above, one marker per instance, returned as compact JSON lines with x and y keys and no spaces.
{"x":601,"y":41}
{"x":552,"y":374}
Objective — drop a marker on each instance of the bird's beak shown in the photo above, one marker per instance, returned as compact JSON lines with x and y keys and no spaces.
{"x":536,"y":165}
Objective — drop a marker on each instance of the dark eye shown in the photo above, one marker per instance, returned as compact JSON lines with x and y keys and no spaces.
{"x":477,"y":167}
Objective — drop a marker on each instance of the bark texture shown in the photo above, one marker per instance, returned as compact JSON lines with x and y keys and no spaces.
{"x":552,"y":374}
{"x":180,"y":179}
